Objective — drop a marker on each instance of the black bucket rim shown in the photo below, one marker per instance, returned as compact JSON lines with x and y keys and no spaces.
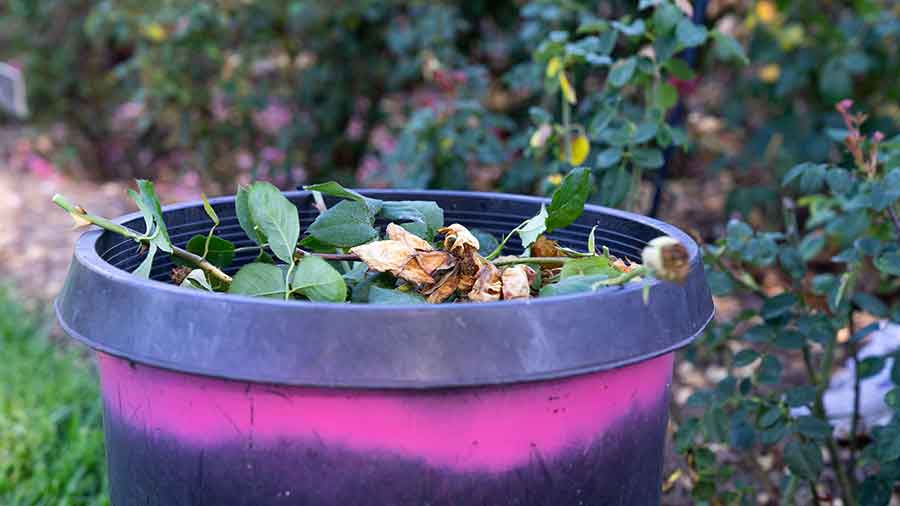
{"x":81,"y":318}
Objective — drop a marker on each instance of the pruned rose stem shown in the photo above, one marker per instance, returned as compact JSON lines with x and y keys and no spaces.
{"x":122,"y":230}
{"x":622,"y":278}
{"x":531,"y":260}
{"x":337,"y":257}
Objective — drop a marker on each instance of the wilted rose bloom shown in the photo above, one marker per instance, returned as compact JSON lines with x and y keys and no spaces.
{"x":667,"y":259}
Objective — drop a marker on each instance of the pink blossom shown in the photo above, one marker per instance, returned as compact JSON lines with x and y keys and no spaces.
{"x":355,"y":129}
{"x":244,"y":160}
{"x":273,"y":118}
{"x":383,"y":140}
{"x":844,"y":105}
{"x":272,"y":154}
{"x":41,"y":167}
{"x":878,"y":137}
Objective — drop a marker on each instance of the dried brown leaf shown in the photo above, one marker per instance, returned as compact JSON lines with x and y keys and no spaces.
{"x":516,"y":283}
{"x":397,"y":233}
{"x":433,"y":261}
{"x":395,"y":257}
{"x":444,"y":288}
{"x":544,"y":247}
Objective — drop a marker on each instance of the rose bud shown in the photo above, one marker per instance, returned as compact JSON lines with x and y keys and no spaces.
{"x":667,"y":259}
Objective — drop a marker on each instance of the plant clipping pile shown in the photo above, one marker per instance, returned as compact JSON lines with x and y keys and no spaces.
{"x":417,"y":259}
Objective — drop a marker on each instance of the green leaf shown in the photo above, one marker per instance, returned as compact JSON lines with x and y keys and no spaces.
{"x":609,"y":157}
{"x":277,"y":217}
{"x":568,"y":200}
{"x":887,"y":441}
{"x":804,"y":395}
{"x":680,"y":69}
{"x":813,"y":427}
{"x":689,"y":34}
{"x":588,"y":266}
{"x":534,"y":227}
{"x":631,"y":29}
{"x":889,"y":263}
{"x":875,"y":492}
{"x":726,"y":48}
{"x":259,"y":280}
{"x":666,"y":96}
{"x":345,"y":225}
{"x":428,"y":214}
{"x":148,"y":203}
{"x":316,"y":280}
{"x":803,"y":459}
{"x":614,"y":185}
{"x":622,"y":71}
{"x":810,"y":246}
{"x":871,"y":304}
{"x":336,"y":190}
{"x":647,"y":158}
{"x":574,"y":284}
{"x":245,"y":219}
{"x":486,"y":241}
{"x":870,"y":366}
{"x":778,"y":306}
{"x":209,"y":210}
{"x":197,"y":279}
{"x":769,"y":371}
{"x":143,"y":270}
{"x":220,"y":253}
{"x":745,"y":357}
{"x":666,"y":17}
{"x":392,"y":296}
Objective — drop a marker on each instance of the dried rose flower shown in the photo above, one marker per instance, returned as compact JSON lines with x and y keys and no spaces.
{"x":667,"y":259}
{"x":517,"y":282}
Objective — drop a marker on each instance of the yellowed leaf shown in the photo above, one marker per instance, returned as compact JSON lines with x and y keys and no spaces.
{"x":567,"y":90}
{"x":397,"y":233}
{"x":516,"y":283}
{"x":554,"y":66}
{"x":580,"y":147}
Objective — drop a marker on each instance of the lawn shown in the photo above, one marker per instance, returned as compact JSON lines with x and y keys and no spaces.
{"x":51,"y":438}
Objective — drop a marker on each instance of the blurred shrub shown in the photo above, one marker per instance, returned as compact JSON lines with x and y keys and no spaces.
{"x":418,"y":94}
{"x":446,"y":94}
{"x":807,"y":55}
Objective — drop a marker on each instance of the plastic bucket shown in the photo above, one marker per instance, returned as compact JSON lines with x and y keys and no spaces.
{"x":214,"y":399}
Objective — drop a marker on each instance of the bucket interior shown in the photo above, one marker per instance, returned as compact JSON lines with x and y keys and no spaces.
{"x":489,"y":213}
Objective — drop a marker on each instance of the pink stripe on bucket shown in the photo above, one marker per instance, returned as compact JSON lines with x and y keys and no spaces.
{"x":492,"y":428}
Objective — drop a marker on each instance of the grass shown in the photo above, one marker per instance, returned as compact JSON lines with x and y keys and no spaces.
{"x":51,"y":438}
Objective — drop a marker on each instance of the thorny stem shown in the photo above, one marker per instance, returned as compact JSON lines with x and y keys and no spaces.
{"x":79,"y":212}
